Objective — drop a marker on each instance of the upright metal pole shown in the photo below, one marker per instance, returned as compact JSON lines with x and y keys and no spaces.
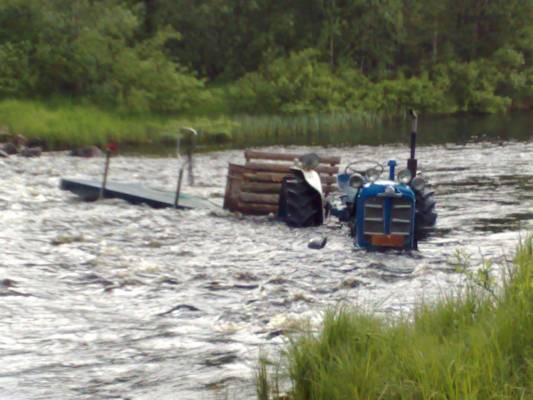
{"x":190,"y":166}
{"x":106,"y":170}
{"x":190,"y":151}
{"x":180,"y":164}
{"x":180,"y":173}
{"x":412,"y":163}
{"x":178,"y":189}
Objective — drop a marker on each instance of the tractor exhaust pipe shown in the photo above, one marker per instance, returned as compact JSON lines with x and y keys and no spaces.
{"x":412,"y":163}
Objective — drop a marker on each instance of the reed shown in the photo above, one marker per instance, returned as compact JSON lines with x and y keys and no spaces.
{"x":476,"y":344}
{"x":302,"y":129}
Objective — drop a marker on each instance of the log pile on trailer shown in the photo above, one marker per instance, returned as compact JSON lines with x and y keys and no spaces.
{"x":253,"y":188}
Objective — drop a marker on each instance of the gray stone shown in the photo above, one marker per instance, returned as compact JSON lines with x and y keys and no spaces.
{"x":20,"y":140}
{"x":10,"y":148}
{"x":3,"y":154}
{"x":88,"y":152}
{"x":37,"y":142}
{"x":317,"y":243}
{"x":31,"y":152}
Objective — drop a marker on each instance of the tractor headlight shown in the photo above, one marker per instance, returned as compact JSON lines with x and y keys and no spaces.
{"x":418,"y":183}
{"x":356,"y":181}
{"x":404,"y":176}
{"x":373,"y":174}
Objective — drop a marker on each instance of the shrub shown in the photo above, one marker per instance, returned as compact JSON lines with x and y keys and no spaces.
{"x":294,"y":85}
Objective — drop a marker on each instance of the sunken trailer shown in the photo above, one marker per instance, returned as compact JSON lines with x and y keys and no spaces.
{"x":394,"y":212}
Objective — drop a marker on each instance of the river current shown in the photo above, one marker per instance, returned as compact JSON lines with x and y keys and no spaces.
{"x":107,"y":300}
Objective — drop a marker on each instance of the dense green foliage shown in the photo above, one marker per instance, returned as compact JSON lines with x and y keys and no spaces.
{"x":89,"y":49}
{"x":477,"y":345}
{"x":213,"y":57}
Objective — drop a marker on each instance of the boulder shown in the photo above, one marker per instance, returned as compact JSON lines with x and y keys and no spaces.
{"x":31,"y":152}
{"x":3,"y":154}
{"x":37,"y":142}
{"x":19,"y":140}
{"x":88,"y":152}
{"x":10,"y":148}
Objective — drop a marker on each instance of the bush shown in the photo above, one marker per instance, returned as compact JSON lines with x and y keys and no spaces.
{"x":393,"y":97}
{"x":16,"y":77}
{"x":295,"y":85}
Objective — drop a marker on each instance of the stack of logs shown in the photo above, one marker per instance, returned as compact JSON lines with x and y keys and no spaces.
{"x":254,"y":188}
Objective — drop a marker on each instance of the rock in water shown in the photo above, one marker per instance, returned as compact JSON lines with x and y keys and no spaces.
{"x":317,"y":243}
{"x":88,"y":151}
{"x":31,"y":152}
{"x":10,"y":148}
{"x":37,"y":142}
{"x":20,"y":140}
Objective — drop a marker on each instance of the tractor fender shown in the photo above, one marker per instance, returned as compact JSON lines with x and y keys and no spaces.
{"x":313,"y":179}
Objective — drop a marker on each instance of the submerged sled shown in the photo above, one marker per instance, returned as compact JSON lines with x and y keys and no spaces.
{"x":90,"y":190}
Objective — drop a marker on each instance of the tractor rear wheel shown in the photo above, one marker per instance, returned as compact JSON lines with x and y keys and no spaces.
{"x":299,"y":204}
{"x":425,"y":215}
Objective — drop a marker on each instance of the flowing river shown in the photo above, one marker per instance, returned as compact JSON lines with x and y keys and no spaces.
{"x":107,"y":300}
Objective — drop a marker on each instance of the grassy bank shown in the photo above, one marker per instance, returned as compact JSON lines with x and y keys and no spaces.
{"x":63,"y":124}
{"x":475,"y":345}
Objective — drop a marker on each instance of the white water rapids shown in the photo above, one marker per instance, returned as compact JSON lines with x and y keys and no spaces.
{"x":86,"y":289}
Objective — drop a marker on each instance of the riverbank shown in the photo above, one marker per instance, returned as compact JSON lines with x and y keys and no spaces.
{"x":64,"y":124}
{"x":477,"y":344}
{"x":60,"y":124}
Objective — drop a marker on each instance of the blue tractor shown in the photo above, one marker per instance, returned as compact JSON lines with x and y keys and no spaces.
{"x":394,"y":212}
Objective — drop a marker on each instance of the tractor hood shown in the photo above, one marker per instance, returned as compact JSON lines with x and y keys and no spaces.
{"x":386,"y":188}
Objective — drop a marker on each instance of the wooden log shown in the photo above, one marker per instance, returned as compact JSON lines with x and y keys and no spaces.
{"x":257,"y":209}
{"x":286,"y":168}
{"x":261,"y":198}
{"x":266,"y":187}
{"x":278,"y":177}
{"x":233,"y":186}
{"x":264,"y":177}
{"x":261,"y":155}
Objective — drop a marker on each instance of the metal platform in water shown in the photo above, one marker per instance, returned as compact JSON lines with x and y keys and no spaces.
{"x":89,"y":190}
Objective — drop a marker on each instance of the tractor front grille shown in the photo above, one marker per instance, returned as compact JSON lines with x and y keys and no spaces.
{"x":374,"y":216}
{"x":400,"y":223}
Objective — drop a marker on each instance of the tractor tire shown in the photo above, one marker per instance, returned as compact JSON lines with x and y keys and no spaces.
{"x":425,"y":215}
{"x":299,"y":204}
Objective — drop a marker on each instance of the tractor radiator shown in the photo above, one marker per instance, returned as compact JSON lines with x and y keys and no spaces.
{"x":374,"y":216}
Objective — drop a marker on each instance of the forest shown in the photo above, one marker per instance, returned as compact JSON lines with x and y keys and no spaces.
{"x":266,"y":57}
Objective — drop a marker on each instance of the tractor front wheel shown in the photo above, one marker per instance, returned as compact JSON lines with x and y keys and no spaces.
{"x":299,"y":204}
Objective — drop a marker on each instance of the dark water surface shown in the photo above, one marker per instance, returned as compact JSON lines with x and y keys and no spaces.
{"x":107,"y":300}
{"x":459,"y":129}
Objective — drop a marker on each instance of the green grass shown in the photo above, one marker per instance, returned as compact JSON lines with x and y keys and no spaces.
{"x":473,"y":345}
{"x":63,"y":124}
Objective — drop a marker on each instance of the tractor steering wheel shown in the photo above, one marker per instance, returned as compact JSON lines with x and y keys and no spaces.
{"x":351,"y":168}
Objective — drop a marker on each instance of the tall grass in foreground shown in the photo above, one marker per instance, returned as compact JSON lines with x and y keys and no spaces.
{"x":477,"y":344}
